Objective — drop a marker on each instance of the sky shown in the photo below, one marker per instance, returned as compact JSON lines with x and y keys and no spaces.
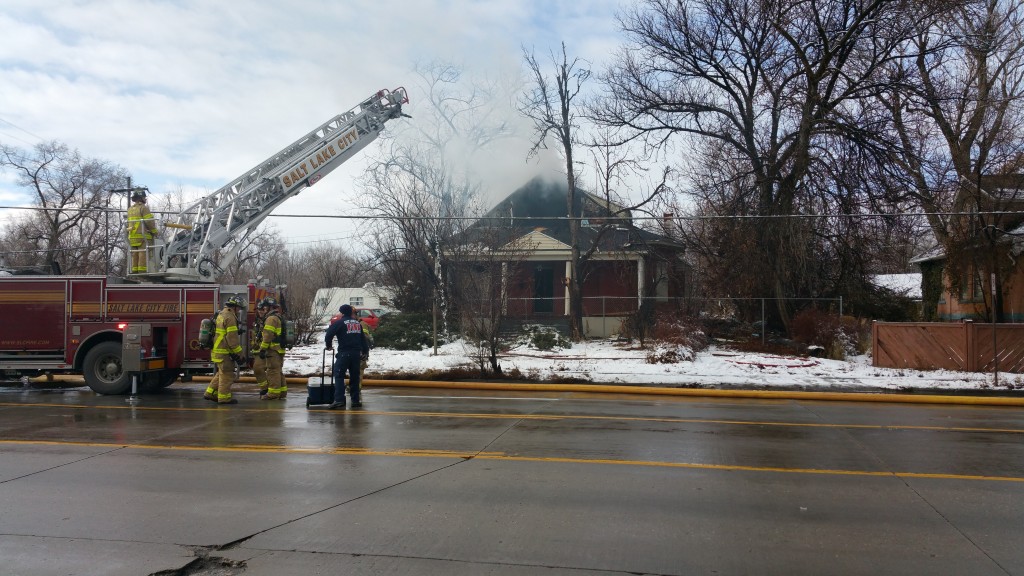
{"x":189,"y":94}
{"x":608,"y":362}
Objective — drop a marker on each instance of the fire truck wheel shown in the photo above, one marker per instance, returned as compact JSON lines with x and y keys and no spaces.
{"x":103,"y":370}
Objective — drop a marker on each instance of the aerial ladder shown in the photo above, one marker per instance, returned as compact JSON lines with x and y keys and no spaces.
{"x":223,"y":220}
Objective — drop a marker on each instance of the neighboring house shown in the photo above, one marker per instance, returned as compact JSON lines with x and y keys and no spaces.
{"x":630,"y":265}
{"x":996,"y":227}
{"x":327,"y":300}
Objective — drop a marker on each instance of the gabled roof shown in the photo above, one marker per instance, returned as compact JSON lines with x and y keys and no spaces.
{"x":1005,"y":187}
{"x":541,"y":206}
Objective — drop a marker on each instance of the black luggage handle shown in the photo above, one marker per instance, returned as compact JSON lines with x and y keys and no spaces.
{"x":323,"y":362}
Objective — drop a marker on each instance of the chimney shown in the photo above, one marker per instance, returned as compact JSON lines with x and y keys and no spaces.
{"x":666,"y":223}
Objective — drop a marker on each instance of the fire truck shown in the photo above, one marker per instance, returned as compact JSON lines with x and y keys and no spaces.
{"x":147,"y":325}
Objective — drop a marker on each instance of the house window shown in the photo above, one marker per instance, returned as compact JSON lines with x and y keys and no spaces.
{"x":356,"y":301}
{"x":970,"y":286}
{"x":322,"y":303}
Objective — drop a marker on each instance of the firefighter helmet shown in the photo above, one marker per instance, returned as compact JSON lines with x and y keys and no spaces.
{"x":139,"y":195}
{"x":234,"y":301}
{"x":268,"y":302}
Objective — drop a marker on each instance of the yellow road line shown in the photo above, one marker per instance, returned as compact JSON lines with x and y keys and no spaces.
{"x":497,"y":456}
{"x":551,"y":417}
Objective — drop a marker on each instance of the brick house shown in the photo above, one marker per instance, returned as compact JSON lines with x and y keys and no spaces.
{"x":994,"y":227}
{"x":627,"y":266}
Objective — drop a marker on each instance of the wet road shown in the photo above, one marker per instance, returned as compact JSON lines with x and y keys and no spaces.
{"x":506,"y":483}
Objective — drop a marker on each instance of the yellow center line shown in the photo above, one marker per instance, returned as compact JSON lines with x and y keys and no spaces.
{"x":498,"y":456}
{"x":551,"y":417}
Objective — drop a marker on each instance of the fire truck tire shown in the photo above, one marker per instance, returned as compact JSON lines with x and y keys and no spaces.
{"x":103,"y":371}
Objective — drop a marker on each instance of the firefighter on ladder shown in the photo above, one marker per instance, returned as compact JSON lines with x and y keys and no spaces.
{"x":226,"y":353}
{"x":269,"y":364}
{"x":141,"y":231}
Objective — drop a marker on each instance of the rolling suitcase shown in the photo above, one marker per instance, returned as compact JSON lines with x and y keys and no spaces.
{"x":320,"y":391}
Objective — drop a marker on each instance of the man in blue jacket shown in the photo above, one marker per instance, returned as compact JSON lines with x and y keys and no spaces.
{"x":353,"y":347}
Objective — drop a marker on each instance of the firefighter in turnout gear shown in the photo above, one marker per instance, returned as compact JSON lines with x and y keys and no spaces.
{"x":141,"y":231}
{"x":269,"y":363}
{"x":259,"y":365}
{"x":226,"y":353}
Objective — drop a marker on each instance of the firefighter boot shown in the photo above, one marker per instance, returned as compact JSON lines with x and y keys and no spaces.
{"x":210,"y":394}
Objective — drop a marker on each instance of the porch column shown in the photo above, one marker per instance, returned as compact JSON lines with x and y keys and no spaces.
{"x":640,"y":282}
{"x":565,"y":291}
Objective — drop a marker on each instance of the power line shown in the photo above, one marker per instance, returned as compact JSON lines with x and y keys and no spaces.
{"x":560,"y":218}
{"x":13,"y":125}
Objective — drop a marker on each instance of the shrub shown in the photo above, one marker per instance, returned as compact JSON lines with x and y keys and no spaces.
{"x":676,"y":340}
{"x":543,"y":338}
{"x":405,"y":331}
{"x":840,"y":336}
{"x":685,"y":331}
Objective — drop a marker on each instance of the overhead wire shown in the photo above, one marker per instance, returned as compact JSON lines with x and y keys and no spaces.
{"x":563,"y":218}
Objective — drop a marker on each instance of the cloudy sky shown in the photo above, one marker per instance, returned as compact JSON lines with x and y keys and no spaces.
{"x":188,"y":94}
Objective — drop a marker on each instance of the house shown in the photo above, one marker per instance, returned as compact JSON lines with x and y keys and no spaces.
{"x":327,"y":300}
{"x":624,"y":264}
{"x":961,"y":287}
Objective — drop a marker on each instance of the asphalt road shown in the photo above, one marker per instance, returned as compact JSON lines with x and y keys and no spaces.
{"x":469,"y":482}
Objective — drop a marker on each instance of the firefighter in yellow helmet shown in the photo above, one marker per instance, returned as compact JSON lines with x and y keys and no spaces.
{"x":270,"y":356}
{"x":259,"y":365}
{"x":226,"y":353}
{"x":141,"y":231}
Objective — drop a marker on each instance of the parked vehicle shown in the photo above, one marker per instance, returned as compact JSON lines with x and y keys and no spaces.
{"x":371,"y":316}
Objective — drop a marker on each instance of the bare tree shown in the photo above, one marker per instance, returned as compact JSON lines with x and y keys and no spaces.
{"x":957,"y":113}
{"x":489,"y":256}
{"x":422,"y":182}
{"x":72,"y":191}
{"x":766,"y":81}
{"x":555,"y":111}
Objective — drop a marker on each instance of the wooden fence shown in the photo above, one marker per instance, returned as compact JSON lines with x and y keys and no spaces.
{"x":961,"y":346}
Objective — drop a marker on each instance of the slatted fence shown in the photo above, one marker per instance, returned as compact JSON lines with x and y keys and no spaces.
{"x":960,"y":346}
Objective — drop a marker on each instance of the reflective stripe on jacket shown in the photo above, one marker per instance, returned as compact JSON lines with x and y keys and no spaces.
{"x":271,"y":338}
{"x":141,"y":227}
{"x":225,"y":340}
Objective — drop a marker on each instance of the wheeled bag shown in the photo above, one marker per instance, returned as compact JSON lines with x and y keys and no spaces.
{"x":320,"y":391}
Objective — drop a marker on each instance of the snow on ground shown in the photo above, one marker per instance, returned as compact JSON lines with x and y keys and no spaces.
{"x":607,"y":362}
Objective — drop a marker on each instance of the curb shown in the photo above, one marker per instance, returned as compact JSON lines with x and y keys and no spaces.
{"x":923,"y":398}
{"x":688,"y":392}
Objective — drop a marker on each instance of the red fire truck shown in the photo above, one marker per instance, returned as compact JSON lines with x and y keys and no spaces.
{"x":147,"y":324}
{"x":87,"y":324}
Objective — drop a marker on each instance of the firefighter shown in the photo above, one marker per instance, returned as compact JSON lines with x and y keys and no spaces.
{"x":352,"y":349}
{"x":271,"y":352}
{"x":259,"y":365}
{"x":226,"y":353}
{"x":141,"y":231}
